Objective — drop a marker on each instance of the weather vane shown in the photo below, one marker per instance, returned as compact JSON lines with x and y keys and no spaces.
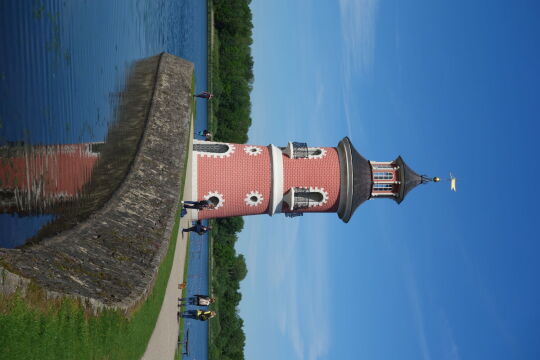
{"x":452,"y":179}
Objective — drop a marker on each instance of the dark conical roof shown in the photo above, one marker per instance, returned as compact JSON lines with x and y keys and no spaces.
{"x":356,"y":179}
{"x":408,"y":178}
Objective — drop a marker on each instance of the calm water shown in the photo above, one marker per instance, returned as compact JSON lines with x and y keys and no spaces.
{"x":64,"y":67}
{"x":195,"y":331}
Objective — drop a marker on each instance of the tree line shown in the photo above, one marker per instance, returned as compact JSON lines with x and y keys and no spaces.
{"x":232,"y":81}
{"x":227,"y":338}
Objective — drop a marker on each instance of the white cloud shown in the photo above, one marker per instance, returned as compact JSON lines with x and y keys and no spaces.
{"x":414,"y":298}
{"x":299,"y":273}
{"x":451,"y":349}
{"x":358,"y":31}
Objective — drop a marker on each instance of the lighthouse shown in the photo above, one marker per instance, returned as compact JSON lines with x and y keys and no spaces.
{"x":294,"y":180}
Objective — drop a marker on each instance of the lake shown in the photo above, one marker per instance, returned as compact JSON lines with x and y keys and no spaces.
{"x":63,"y":71}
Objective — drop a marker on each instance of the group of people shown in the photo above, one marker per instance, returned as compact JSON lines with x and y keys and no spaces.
{"x":198,"y":205}
{"x":197,"y":300}
{"x":198,"y":228}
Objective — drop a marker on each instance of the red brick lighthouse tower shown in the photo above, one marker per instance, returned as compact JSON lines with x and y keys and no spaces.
{"x":296,"y":179}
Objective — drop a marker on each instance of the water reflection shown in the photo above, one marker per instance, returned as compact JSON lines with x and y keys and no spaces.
{"x":63,"y":70}
{"x":35,"y":179}
{"x":72,"y":181}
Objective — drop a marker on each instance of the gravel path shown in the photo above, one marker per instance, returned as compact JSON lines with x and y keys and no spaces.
{"x":164,"y":340}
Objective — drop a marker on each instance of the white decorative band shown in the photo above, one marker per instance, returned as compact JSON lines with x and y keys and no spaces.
{"x":316,"y":153}
{"x":324,"y":194}
{"x":276,"y":198}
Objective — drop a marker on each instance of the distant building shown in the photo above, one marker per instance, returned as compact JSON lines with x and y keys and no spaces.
{"x":296,"y":179}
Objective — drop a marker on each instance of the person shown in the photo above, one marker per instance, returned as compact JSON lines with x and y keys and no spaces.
{"x":201,"y":315}
{"x":204,"y":315}
{"x":203,"y":300}
{"x":199,"y":228}
{"x":197,"y":300}
{"x":207,"y":135}
{"x":198,"y":205}
{"x":204,"y":95}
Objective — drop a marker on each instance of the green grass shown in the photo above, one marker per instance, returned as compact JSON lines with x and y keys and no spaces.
{"x":33,"y":327}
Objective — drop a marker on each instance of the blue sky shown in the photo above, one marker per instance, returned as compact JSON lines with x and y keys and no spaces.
{"x":450,"y":86}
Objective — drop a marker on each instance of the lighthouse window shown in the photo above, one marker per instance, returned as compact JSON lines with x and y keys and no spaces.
{"x":382,"y":166}
{"x":308,"y":197}
{"x":303,"y":198}
{"x":382,"y":187}
{"x":300,"y":150}
{"x":211,"y":148}
{"x":383,"y":176}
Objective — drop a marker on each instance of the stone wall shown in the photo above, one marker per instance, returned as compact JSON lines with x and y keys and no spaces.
{"x":110,"y":259}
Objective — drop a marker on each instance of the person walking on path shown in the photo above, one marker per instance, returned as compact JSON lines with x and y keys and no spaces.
{"x":198,"y":205}
{"x":198,"y":314}
{"x":204,"y":95}
{"x":197,"y":300}
{"x":199,"y":228}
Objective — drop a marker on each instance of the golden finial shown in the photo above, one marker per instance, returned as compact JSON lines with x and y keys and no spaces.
{"x":436,"y":179}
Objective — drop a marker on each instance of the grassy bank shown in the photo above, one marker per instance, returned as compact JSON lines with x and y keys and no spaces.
{"x":36,"y":328}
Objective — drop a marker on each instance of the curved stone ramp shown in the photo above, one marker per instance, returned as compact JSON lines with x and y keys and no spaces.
{"x":111,"y":259}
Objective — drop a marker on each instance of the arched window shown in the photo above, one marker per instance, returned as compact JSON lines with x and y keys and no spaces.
{"x":303,"y":197}
{"x":215,"y":148}
{"x":380,"y":175}
{"x":298,"y":150}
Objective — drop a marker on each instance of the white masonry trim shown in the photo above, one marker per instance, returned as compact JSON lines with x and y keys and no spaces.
{"x":231,"y":149}
{"x":250,"y":202}
{"x":320,"y":156}
{"x":276,"y":193}
{"x":324,"y":194}
{"x":253,"y":150}
{"x":220,"y":197}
